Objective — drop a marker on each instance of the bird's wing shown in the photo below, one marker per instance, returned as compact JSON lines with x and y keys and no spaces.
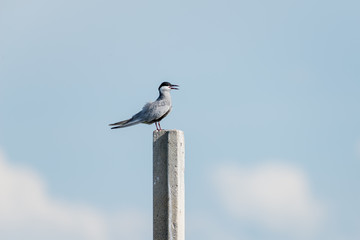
{"x":150,"y":113}
{"x":153,"y":111}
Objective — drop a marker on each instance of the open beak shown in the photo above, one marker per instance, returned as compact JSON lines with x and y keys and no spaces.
{"x":175,"y":87}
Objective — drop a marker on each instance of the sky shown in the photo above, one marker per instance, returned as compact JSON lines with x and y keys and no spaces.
{"x":268,"y":102}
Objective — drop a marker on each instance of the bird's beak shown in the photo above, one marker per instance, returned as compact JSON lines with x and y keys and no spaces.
{"x":175,"y":87}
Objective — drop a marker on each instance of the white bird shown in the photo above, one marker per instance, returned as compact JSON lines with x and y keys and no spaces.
{"x":152,"y":112}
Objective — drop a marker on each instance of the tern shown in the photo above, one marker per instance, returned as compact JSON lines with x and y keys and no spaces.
{"x":152,"y":112}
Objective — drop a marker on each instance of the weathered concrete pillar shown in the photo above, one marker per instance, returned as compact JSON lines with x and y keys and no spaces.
{"x":168,"y":185}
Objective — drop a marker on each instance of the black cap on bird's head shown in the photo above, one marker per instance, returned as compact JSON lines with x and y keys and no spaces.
{"x":171,"y":86}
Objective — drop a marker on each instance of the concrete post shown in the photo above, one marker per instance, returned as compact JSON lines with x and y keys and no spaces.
{"x":168,"y":185}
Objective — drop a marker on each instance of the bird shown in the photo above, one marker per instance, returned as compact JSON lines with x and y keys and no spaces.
{"x":152,"y":112}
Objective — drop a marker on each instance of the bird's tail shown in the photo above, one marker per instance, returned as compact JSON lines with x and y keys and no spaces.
{"x":125,"y":123}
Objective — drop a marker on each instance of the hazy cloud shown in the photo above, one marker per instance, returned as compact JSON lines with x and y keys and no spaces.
{"x":27,"y":211}
{"x":276,"y":197}
{"x":201,"y":225}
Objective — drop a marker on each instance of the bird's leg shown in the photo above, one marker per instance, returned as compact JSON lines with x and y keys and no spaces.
{"x":159,"y":126}
{"x":157,"y":129}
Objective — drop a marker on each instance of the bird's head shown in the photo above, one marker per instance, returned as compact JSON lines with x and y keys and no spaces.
{"x":166,"y":87}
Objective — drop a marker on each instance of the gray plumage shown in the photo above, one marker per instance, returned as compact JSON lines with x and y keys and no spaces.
{"x":152,"y":112}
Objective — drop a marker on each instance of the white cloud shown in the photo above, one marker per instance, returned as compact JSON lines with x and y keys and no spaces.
{"x":202,"y":225}
{"x":27,"y":211}
{"x":274,"y":196}
{"x":130,"y":224}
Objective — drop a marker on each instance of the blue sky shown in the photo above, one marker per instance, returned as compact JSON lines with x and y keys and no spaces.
{"x":269,"y":104}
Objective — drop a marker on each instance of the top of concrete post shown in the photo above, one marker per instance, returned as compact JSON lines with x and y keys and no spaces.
{"x":162,"y":132}
{"x":168,"y":142}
